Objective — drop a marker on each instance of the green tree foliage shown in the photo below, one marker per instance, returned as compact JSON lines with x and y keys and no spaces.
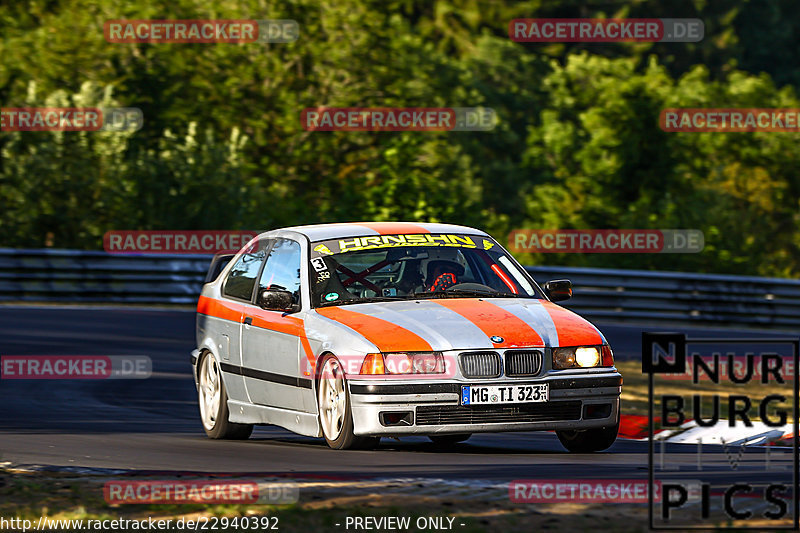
{"x":577,"y":144}
{"x":602,"y":161}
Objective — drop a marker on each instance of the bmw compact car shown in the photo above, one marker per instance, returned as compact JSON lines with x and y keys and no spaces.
{"x":356,"y":331}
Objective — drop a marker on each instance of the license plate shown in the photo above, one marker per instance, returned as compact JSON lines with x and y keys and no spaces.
{"x":496,"y":394}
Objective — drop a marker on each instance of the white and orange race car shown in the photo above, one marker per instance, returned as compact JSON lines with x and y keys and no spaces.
{"x":356,"y":331}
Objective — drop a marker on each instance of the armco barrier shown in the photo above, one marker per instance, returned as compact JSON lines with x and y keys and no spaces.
{"x":68,"y":276}
{"x":99,"y":277}
{"x":678,"y":297}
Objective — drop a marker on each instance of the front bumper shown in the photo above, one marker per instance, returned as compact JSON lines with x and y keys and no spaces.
{"x":577,"y":401}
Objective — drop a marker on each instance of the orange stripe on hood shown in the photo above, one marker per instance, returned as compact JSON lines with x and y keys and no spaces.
{"x":393,"y":228}
{"x":494,"y":320}
{"x":388,"y":337}
{"x":572,"y":330}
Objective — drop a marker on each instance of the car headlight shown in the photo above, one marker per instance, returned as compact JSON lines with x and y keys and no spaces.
{"x":563,"y":358}
{"x":403,"y":363}
{"x":582,"y":357}
{"x":587,"y":356}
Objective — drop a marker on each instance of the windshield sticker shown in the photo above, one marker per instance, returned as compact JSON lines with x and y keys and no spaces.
{"x":331,"y":296}
{"x":487,"y":245}
{"x":323,"y":250}
{"x":339,"y":246}
{"x":319,"y":264}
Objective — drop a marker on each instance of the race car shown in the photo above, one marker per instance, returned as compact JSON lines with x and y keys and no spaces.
{"x":358,"y":331}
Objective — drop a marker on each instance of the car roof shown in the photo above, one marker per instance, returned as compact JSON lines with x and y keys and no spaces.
{"x":322,"y":232}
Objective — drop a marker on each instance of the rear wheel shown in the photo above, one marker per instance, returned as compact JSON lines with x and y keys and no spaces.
{"x":214,"y":402}
{"x":446,"y":440}
{"x":588,"y":440}
{"x":335,"y":414}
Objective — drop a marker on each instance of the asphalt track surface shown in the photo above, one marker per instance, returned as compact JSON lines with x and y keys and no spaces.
{"x":153,"y":425}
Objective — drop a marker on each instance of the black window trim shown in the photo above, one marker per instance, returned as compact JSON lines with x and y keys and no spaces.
{"x":254,"y":296}
{"x":267,"y":249}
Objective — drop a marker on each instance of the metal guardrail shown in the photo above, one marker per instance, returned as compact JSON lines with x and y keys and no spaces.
{"x":69,"y":276}
{"x":98,"y":277}
{"x":655,"y":296}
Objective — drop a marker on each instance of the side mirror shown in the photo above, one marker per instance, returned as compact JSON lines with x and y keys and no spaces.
{"x":558,"y":289}
{"x":276,"y":300}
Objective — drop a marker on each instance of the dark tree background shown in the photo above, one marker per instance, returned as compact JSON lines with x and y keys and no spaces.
{"x":577,"y":145}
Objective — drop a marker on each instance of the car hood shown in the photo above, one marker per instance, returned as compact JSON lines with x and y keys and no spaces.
{"x":464,"y":323}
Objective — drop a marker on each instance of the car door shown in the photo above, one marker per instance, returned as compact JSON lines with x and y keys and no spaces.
{"x":271,"y":346}
{"x":237,"y":289}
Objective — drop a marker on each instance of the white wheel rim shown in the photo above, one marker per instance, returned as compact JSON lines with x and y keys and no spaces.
{"x":332,"y":399}
{"x":210,"y":391}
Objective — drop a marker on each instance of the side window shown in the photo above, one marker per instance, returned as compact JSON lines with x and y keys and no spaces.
{"x":282,"y":271}
{"x":242,"y":278}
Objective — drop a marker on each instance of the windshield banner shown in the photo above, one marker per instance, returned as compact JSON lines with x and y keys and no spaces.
{"x":352,"y":244}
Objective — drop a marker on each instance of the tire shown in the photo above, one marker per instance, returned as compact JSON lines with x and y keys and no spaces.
{"x":588,"y":440}
{"x":213,"y":400}
{"x":335,"y":415}
{"x":448,"y":440}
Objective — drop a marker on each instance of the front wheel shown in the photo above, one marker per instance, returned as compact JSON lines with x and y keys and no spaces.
{"x":214,"y":402}
{"x":588,"y":440}
{"x":335,"y":414}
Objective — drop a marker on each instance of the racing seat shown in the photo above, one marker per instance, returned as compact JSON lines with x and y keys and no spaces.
{"x":411,"y":280}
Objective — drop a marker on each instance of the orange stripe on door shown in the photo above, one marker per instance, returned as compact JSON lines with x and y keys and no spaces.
{"x":388,"y":337}
{"x":261,"y":319}
{"x":494,"y":320}
{"x":291,"y":325}
{"x":220,"y":309}
{"x":273,"y":321}
{"x":572,"y":330}
{"x":309,"y":354}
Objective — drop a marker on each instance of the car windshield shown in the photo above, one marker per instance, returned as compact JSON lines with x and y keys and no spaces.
{"x":414,"y":266}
